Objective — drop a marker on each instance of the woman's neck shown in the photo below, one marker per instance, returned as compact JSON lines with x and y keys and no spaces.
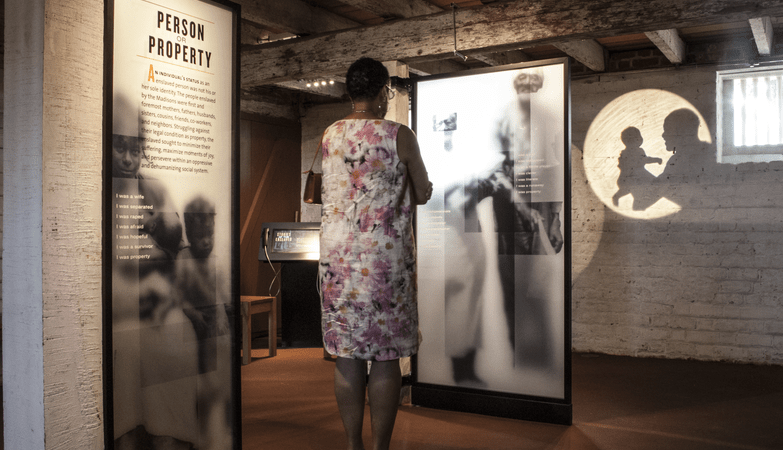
{"x":365,"y":111}
{"x":368,"y":109}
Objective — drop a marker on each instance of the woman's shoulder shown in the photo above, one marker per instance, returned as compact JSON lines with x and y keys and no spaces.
{"x":405,"y":134}
{"x":336,"y":127}
{"x":336,"y":124}
{"x":406,"y":130}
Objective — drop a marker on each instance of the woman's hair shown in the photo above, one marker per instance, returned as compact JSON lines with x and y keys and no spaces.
{"x":365,"y":78}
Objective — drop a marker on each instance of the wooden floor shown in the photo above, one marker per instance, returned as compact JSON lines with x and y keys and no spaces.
{"x":619,"y":403}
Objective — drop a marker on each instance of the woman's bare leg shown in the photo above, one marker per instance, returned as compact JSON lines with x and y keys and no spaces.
{"x":350,"y":383}
{"x":384,"y":393}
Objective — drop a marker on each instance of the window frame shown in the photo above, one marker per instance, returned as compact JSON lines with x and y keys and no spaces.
{"x":727,"y":152}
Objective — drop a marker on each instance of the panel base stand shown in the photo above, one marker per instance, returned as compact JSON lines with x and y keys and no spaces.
{"x":490,"y":404}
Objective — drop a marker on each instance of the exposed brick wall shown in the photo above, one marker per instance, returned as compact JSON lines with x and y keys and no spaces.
{"x":702,"y":279}
{"x":637,"y":60}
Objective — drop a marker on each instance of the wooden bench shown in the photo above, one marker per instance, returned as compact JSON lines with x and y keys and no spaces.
{"x":253,"y":305}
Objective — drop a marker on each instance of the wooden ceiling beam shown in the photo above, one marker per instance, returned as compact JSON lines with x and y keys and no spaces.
{"x":669,"y":43}
{"x":587,"y":51}
{"x":495,"y":27}
{"x":762,"y":33}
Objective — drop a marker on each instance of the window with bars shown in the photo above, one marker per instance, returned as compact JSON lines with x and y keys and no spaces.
{"x":750,"y":109}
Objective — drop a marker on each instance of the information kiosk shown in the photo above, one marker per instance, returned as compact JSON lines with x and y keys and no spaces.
{"x":296,"y":246}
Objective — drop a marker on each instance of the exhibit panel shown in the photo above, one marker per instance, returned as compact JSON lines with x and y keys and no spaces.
{"x":493,"y":243}
{"x":172,"y":369}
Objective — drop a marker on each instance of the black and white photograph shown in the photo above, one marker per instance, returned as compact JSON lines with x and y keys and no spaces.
{"x":491,"y":240}
{"x":171,"y":154}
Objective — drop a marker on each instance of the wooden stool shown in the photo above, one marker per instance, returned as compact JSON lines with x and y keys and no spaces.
{"x":253,"y":305}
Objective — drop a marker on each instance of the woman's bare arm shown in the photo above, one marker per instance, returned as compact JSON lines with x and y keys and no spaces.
{"x":410,"y":155}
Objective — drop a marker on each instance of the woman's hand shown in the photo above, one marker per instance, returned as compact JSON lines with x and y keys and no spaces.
{"x":429,"y":191}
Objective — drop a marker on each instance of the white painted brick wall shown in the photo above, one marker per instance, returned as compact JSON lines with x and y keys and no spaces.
{"x":705,"y":282}
{"x":52,"y":313}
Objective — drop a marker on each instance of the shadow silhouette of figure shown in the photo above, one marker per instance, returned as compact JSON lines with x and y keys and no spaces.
{"x":691,"y":157}
{"x":631,"y":164}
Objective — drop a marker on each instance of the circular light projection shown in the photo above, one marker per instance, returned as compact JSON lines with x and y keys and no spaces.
{"x":632,"y":126}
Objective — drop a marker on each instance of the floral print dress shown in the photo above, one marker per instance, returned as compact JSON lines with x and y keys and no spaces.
{"x":367,"y":269}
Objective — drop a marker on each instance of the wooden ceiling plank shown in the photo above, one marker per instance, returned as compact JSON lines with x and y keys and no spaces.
{"x":293,"y":16}
{"x":425,"y":68}
{"x":395,"y":9}
{"x":501,"y":58}
{"x":586,"y":51}
{"x":670,"y":43}
{"x":495,"y":27}
{"x":762,"y":33}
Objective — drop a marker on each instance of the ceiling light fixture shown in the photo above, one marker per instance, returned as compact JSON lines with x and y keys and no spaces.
{"x":317,"y":83}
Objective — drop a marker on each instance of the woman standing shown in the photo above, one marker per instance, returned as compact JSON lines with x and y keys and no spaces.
{"x":372,"y":174}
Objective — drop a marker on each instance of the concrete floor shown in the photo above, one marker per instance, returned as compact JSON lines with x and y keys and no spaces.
{"x":619,"y":403}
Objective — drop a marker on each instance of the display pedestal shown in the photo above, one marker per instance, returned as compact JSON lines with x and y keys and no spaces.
{"x":300,"y":305}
